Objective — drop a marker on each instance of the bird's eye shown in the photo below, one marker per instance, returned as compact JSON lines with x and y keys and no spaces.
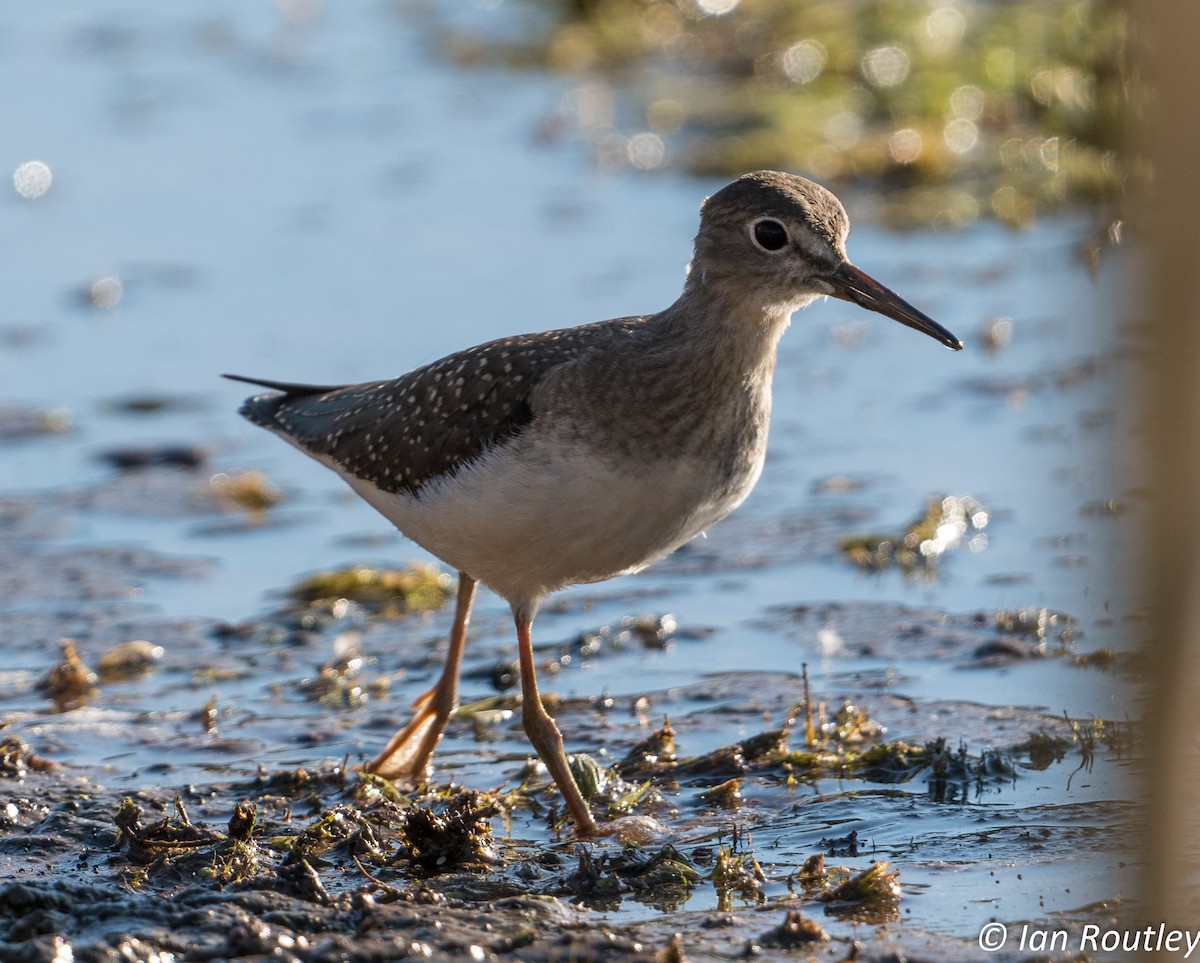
{"x":770,"y":235}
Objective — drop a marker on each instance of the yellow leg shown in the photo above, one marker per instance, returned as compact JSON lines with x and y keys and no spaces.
{"x":544,"y":734}
{"x":406,"y":755}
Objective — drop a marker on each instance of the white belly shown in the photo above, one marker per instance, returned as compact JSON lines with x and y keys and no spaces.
{"x":527,"y":520}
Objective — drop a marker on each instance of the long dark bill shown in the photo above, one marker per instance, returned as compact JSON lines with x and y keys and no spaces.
{"x":851,"y":284}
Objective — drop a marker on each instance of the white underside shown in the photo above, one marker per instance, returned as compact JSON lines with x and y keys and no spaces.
{"x":526,"y":520}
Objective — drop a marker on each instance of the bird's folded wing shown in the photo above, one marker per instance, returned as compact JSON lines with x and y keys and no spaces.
{"x":403,"y":433}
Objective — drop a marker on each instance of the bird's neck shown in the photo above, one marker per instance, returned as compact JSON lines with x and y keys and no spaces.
{"x":734,"y":332}
{"x":703,"y":367}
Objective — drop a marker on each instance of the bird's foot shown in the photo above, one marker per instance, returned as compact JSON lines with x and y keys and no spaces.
{"x":406,"y":756}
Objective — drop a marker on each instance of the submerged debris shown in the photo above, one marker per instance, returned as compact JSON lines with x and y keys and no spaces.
{"x":646,"y":631}
{"x":69,"y":683}
{"x":1110,"y":507}
{"x":664,"y":877}
{"x":1041,"y":624}
{"x":160,"y":840}
{"x":17,"y":759}
{"x":795,"y":930}
{"x":737,"y":874}
{"x":725,"y":795}
{"x":655,"y":753}
{"x":186,"y":457}
{"x":919,"y":547}
{"x":607,"y":787}
{"x":18,"y":423}
{"x":250,"y":491}
{"x":127,"y":660}
{"x":238,"y":857}
{"x":649,"y":631}
{"x":1044,"y":749}
{"x":451,"y":834}
{"x":387,"y":593}
{"x":150,"y":403}
{"x":756,"y":751}
{"x":337,"y":684}
{"x":1102,"y":658}
{"x":874,"y":884}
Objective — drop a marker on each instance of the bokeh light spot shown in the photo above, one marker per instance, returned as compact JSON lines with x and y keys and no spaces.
{"x":646,"y":150}
{"x":905,"y":146}
{"x":1049,"y":153}
{"x":960,"y":135}
{"x":32,"y":179}
{"x":967,"y":102}
{"x":843,"y":129}
{"x":885,"y":66}
{"x":804,"y":61}
{"x":944,"y":29}
{"x":997,"y":335}
{"x":715,"y":8}
{"x":105,"y":292}
{"x":1012,"y":153}
{"x":826,"y":162}
{"x":1017,"y":210}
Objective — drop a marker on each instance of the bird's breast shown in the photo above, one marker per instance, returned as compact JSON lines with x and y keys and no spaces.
{"x":545,"y":510}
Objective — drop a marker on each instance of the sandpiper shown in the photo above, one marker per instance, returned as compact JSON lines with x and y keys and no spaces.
{"x":576,"y":455}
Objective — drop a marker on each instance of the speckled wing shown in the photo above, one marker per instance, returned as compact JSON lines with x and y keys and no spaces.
{"x":402,"y":433}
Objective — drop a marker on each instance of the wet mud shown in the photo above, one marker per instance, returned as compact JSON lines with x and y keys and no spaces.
{"x":769,"y":813}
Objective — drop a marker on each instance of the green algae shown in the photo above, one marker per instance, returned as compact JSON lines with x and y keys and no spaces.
{"x":385,"y":592}
{"x":952,"y":111}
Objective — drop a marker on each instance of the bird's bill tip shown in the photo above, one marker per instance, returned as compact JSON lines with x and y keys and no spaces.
{"x":852,"y":284}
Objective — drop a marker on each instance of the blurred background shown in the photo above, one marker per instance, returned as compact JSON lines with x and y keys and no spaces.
{"x":301,"y":192}
{"x":338,"y":193}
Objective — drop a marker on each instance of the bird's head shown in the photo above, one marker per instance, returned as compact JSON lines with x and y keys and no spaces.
{"x":783,"y":238}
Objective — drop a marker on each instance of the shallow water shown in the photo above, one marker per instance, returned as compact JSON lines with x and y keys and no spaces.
{"x":326,"y":201}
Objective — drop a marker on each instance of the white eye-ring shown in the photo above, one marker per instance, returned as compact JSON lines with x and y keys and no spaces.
{"x":769,"y":235}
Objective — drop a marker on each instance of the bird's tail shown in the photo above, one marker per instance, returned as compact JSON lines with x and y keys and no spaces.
{"x":287,"y":387}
